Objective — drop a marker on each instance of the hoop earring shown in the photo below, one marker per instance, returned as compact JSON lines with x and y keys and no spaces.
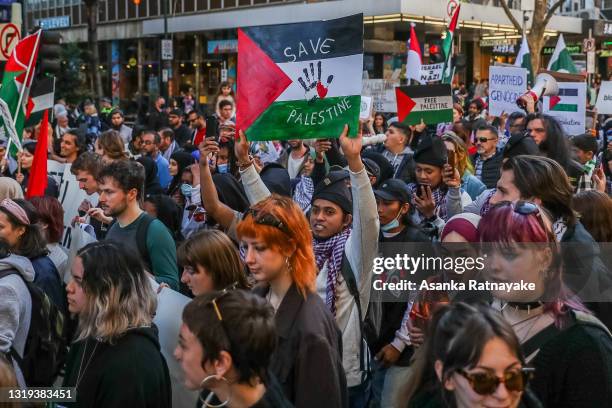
{"x":206,"y":402}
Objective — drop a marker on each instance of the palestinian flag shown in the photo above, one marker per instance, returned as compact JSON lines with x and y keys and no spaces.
{"x":564,"y":101}
{"x":447,"y":47}
{"x":41,"y":99}
{"x":300,"y":80}
{"x":17,"y":80}
{"x":561,"y":60}
{"x":431,"y":103}
{"x":414,"y":62}
{"x":523,"y":59}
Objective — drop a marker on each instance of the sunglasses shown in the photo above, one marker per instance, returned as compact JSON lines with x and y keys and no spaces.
{"x":483,"y":139}
{"x":224,"y":292}
{"x":486,"y":383}
{"x":266,"y":219}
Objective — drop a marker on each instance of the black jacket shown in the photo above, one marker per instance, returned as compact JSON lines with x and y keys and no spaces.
{"x":406,"y":171}
{"x":585,"y":273}
{"x":129,"y":373}
{"x":491,"y":169}
{"x":308,"y":359}
{"x":157,"y":120}
{"x":392,"y":313}
{"x":183,"y":135}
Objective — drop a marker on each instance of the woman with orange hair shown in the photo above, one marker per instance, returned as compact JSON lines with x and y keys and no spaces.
{"x":277,"y":246}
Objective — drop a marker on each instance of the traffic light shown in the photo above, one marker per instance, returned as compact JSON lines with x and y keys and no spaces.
{"x":49,"y":61}
{"x":435,"y":54}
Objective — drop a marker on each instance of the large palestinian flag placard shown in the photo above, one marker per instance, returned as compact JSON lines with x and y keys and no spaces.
{"x":432,"y":104}
{"x":300,"y":81}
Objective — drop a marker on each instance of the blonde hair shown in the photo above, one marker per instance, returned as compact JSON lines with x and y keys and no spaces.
{"x":119,"y":294}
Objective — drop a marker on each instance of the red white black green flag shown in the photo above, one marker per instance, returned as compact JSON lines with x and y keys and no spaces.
{"x":300,"y":81}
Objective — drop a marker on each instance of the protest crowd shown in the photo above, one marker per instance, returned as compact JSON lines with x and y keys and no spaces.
{"x":172,"y":262}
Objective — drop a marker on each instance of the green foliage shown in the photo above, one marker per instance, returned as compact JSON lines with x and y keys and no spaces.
{"x":71,"y":83}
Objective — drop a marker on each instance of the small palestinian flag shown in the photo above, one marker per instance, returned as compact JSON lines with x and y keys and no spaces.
{"x":431,"y":103}
{"x":300,"y":81}
{"x":41,"y":99}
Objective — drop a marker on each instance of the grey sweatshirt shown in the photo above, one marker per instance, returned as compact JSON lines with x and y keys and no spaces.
{"x":15,"y":306}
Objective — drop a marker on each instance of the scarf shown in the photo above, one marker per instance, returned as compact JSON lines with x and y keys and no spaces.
{"x":330,"y":251}
{"x":439,"y":196}
{"x":486,"y":206}
{"x":303,"y":193}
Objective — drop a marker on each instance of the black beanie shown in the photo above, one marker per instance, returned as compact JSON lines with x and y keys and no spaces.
{"x":519,"y":144}
{"x":432,"y":151}
{"x":276,"y":178}
{"x":333,"y":188}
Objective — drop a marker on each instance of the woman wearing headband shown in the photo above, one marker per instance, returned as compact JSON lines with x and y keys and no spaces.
{"x":224,"y":348}
{"x":277,"y":243}
{"x":20,"y":228}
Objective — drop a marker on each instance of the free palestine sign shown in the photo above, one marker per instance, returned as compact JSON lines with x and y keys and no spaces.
{"x":431,"y":104}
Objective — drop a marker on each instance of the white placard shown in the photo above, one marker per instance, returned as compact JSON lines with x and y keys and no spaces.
{"x":7,"y":119}
{"x":366,"y":108}
{"x":431,"y":73}
{"x":382,"y":92}
{"x":166,"y":50}
{"x":604,"y":99}
{"x":70,"y":196}
{"x":506,"y":85}
{"x":569,"y":108}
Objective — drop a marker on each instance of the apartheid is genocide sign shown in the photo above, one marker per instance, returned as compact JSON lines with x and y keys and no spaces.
{"x":431,"y":104}
{"x":300,"y":81}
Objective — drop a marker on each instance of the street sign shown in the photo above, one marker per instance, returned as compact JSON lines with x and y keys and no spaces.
{"x":9,"y":37}
{"x":223,"y":75}
{"x":166,"y":50}
{"x":591,"y":62}
{"x":588,"y":45}
{"x":165,"y":75}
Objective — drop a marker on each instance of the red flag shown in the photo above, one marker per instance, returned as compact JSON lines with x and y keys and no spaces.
{"x":37,"y":183}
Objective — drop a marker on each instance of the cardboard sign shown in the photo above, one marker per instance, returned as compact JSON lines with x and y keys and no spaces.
{"x":569,"y":107}
{"x":604,"y":99}
{"x":506,"y":85}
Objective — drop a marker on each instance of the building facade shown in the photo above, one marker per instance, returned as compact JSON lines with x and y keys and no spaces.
{"x":204,"y":45}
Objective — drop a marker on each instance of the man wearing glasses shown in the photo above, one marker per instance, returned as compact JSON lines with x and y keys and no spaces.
{"x":198,"y":123}
{"x":488,"y":158}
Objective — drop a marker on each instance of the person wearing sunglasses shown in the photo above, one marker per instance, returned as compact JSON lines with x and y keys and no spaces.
{"x":224,"y":348}
{"x":471,"y":358}
{"x":457,"y":148}
{"x":488,"y":157}
{"x":210,"y":262}
{"x":556,"y":331}
{"x":277,"y":247}
{"x":115,"y":360}
{"x":548,"y":134}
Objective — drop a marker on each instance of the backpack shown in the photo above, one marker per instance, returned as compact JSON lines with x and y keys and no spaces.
{"x":141,"y":241}
{"x":46,"y":345}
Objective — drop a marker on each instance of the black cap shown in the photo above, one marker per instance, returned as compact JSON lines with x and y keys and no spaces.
{"x":519,"y":144}
{"x":432,"y":151}
{"x":105,"y":99}
{"x":333,"y":188}
{"x":276,"y":178}
{"x":176,"y":112}
{"x":394,"y":190}
{"x":371,"y":168}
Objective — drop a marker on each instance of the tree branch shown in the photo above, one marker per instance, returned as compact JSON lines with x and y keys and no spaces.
{"x":516,"y":24}
{"x":551,"y":12}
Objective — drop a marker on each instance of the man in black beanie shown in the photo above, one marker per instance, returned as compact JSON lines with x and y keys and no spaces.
{"x":438,"y":188}
{"x":345,"y":226}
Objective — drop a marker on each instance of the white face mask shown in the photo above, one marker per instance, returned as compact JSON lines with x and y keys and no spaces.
{"x":393,"y":224}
